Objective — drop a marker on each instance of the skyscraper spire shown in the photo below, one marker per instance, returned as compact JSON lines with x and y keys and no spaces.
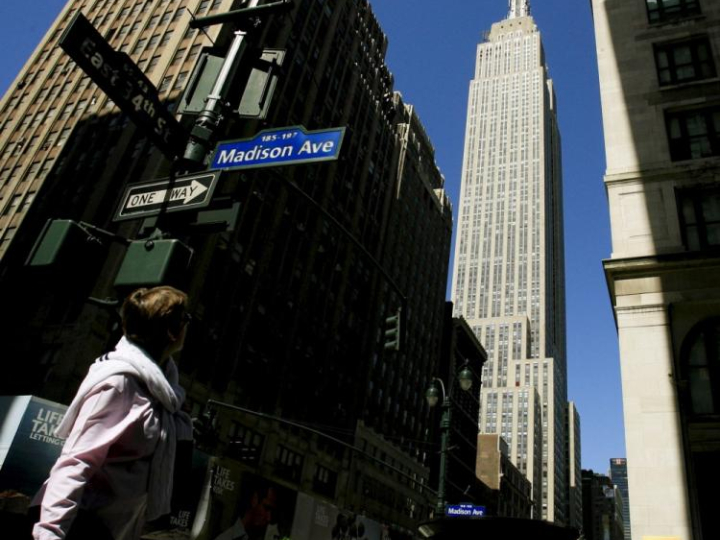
{"x":519,"y":8}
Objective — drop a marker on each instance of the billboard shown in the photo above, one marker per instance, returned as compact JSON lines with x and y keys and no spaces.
{"x":319,"y":520}
{"x":28,"y":448}
{"x":237,"y":503}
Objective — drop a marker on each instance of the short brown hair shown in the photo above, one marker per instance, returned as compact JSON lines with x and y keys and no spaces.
{"x":149,"y":314}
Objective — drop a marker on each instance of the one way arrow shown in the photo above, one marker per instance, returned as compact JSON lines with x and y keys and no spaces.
{"x":184,"y":193}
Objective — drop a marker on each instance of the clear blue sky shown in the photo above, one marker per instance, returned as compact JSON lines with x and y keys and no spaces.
{"x":431,"y":54}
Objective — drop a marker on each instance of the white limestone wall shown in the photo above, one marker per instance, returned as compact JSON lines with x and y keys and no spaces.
{"x":656,"y":479}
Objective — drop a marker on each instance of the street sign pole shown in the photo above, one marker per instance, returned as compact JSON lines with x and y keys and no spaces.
{"x":202,"y":133}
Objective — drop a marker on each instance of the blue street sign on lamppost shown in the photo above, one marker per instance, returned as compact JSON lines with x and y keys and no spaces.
{"x":464,"y":510}
{"x":283,"y":146}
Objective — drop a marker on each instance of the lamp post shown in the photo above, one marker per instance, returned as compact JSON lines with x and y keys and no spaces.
{"x":432,"y":395}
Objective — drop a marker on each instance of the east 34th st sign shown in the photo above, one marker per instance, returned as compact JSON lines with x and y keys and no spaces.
{"x":150,"y":198}
{"x":123,"y":81}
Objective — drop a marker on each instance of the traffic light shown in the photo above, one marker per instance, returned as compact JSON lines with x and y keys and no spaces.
{"x":153,"y":262}
{"x":63,"y":242}
{"x":393,"y":331}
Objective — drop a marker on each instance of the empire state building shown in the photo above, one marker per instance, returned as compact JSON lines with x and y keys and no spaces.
{"x":508,"y":277}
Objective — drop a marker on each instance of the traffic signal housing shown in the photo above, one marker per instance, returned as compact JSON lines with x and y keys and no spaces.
{"x":63,"y":242}
{"x":392,"y":332}
{"x":148,"y":263}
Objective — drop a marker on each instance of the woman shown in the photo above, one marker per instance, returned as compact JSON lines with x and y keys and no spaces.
{"x":116,"y":467}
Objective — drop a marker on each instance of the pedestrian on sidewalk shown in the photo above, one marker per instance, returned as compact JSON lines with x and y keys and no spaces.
{"x":115,"y":471}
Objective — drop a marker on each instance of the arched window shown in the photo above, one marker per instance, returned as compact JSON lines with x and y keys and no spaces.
{"x":701,"y":366}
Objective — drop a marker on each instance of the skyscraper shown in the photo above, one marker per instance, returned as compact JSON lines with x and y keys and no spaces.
{"x":618,"y":474}
{"x":602,"y":508}
{"x":574,"y":498}
{"x":508,"y":278}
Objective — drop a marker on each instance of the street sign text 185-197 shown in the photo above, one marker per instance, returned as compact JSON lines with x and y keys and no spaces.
{"x":121,"y":79}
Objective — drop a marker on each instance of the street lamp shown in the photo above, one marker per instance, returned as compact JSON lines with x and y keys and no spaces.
{"x":432,"y":395}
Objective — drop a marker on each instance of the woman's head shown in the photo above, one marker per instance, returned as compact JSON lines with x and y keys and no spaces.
{"x":156,"y":319}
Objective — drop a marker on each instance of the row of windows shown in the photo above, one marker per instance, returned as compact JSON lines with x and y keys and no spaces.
{"x":668,"y":10}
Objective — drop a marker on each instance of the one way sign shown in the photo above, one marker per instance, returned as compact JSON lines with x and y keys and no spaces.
{"x":149,"y":199}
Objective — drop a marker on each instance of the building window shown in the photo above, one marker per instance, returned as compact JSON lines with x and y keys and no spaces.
{"x":166,"y":38}
{"x":153,"y":62}
{"x":165,"y":84}
{"x":14,"y":203}
{"x":245,"y":443}
{"x":701,"y":366}
{"x":180,"y":81}
{"x":324,"y":481}
{"x":203,"y":6}
{"x":7,"y":238}
{"x":666,"y":10}
{"x":288,"y":464}
{"x":684,"y":61}
{"x":694,"y":134}
{"x":194,"y":51}
{"x":139,"y":46}
{"x":700,"y":217}
{"x":27,"y":202}
{"x":178,"y":56}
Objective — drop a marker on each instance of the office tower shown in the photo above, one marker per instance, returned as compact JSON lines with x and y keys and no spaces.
{"x":574,"y":498}
{"x":508,"y":277}
{"x":618,"y":474}
{"x":295,"y":269}
{"x":658,"y":63}
{"x":602,"y":508}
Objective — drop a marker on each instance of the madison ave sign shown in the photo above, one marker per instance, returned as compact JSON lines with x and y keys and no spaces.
{"x":464,"y":510}
{"x":150,"y":198}
{"x":275,"y":147}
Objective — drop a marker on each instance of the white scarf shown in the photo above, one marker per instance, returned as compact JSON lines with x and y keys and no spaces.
{"x":128,"y":358}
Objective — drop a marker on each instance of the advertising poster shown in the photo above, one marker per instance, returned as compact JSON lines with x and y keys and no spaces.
{"x":319,"y":520}
{"x":28,"y":449}
{"x":237,"y":504}
{"x":190,"y":468}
